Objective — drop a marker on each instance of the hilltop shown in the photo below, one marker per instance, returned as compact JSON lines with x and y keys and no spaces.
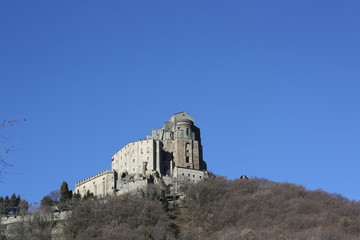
{"x":217,"y":208}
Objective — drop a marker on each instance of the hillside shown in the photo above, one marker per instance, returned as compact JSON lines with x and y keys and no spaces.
{"x":214,"y":209}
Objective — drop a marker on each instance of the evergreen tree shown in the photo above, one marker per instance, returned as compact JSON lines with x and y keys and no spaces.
{"x":2,"y":205}
{"x":47,"y":202}
{"x":23,"y":206}
{"x":65,"y":194}
{"x":76,"y":196}
{"x":88,"y":195}
{"x":18,"y":200}
{"x":6,"y":204}
{"x":12,"y":203}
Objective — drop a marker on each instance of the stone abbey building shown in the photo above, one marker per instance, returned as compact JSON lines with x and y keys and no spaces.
{"x":169,"y":156}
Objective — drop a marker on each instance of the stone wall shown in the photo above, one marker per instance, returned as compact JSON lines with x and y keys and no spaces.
{"x":136,"y":158}
{"x":100,"y":184}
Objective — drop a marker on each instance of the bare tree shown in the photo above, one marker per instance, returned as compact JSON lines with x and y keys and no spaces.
{"x":6,"y":144}
{"x":55,"y":195}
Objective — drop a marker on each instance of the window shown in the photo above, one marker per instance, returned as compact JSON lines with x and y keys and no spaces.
{"x":141,"y":151}
{"x":133,"y":160}
{"x":148,"y":149}
{"x":187,"y":131}
{"x":187,"y":151}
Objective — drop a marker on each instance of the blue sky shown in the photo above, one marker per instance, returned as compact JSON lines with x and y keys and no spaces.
{"x":273,"y":85}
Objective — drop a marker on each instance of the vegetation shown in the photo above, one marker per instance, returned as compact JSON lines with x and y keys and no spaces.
{"x":57,"y":199}
{"x":123,"y":217}
{"x":65,"y":194}
{"x":216,"y":209}
{"x":261,"y":209}
{"x":12,"y":205}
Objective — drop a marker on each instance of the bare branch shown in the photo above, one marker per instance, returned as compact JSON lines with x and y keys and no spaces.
{"x":6,"y":145}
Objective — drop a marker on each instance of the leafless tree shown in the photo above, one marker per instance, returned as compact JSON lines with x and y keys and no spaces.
{"x":55,"y":195}
{"x":6,"y":143}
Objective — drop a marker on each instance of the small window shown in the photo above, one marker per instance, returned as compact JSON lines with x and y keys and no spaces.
{"x":193,"y":175}
{"x":141,"y":151}
{"x":187,"y":131}
{"x":133,"y":160}
{"x":200,"y":177}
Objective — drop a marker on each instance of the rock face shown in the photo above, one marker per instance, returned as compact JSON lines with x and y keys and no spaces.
{"x":170,"y":155}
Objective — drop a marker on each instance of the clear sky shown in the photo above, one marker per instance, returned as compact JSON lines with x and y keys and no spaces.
{"x":273,"y":85}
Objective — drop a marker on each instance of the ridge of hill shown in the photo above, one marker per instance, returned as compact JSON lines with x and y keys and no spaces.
{"x":215,"y":209}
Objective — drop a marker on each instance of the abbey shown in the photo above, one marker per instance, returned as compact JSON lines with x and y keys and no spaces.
{"x":169,"y":156}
